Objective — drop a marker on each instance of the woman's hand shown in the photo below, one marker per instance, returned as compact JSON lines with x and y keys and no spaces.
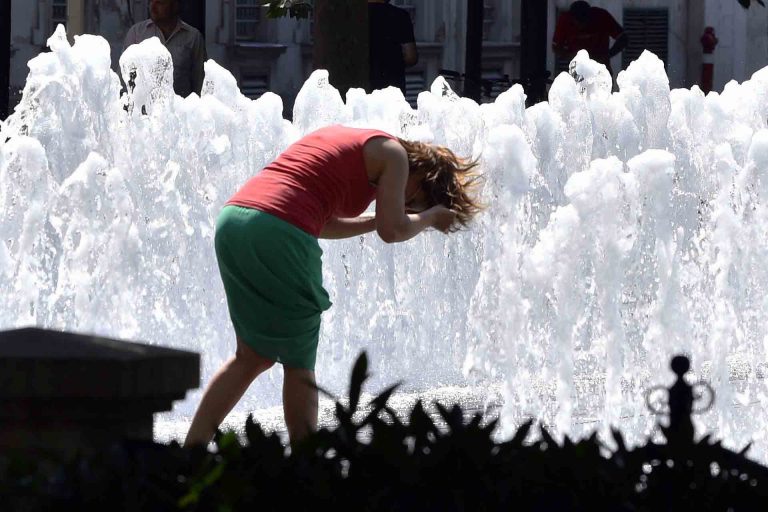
{"x":441,"y":218}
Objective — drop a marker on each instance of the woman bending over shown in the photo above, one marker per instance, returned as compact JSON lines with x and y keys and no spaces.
{"x":270,"y":260}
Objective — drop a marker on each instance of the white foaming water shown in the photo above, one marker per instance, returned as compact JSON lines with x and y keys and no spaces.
{"x":621,"y":229}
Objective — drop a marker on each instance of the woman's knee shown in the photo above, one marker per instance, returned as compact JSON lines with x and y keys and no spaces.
{"x":246,"y":355}
{"x":299,"y":374}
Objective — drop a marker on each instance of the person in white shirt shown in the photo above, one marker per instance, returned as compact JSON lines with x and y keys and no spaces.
{"x":184,"y":42}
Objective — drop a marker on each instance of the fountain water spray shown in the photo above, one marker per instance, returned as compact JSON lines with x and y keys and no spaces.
{"x":621,"y":228}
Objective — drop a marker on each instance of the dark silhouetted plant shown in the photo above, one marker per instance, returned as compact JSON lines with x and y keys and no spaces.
{"x":373,"y":460}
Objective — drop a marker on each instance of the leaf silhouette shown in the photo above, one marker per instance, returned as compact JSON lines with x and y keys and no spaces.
{"x":547,"y":437}
{"x":474,"y":423}
{"x":343,"y":415}
{"x":380,"y":402}
{"x":490,"y":427}
{"x":619,"y":438}
{"x":521,"y":433}
{"x":359,"y":375}
{"x":420,"y":423}
{"x":323,"y":391}
{"x":393,"y":417}
{"x":454,"y":418}
{"x":253,"y":431}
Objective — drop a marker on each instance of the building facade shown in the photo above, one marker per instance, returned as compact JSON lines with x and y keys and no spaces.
{"x":276,"y":54}
{"x":672,"y":30}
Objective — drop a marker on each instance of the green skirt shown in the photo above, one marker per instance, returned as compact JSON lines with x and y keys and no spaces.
{"x":273,"y":279}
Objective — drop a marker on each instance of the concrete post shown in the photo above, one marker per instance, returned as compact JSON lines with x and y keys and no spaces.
{"x":75,"y":18}
{"x":61,"y":393}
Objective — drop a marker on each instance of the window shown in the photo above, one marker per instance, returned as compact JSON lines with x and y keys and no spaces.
{"x":489,"y":17}
{"x":58,"y":13}
{"x":247,"y":17}
{"x":647,"y":29}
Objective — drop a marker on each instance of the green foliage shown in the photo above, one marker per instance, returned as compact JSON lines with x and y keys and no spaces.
{"x":374,"y":461}
{"x":292,"y":8}
{"x":302,"y":9}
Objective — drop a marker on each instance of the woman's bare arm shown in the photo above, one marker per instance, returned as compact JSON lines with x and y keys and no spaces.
{"x":410,"y":54}
{"x":340,"y":227}
{"x":388,"y":161}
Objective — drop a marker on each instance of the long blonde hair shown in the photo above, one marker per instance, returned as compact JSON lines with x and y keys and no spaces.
{"x":449,"y":180}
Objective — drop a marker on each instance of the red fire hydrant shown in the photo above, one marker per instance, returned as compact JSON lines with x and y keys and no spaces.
{"x":708,"y":43}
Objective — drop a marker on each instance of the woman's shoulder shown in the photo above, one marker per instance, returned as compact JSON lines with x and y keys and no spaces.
{"x":351,"y":130}
{"x":381,"y":152}
{"x":346,"y":137}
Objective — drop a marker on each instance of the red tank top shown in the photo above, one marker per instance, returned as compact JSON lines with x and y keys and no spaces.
{"x":320,"y":176}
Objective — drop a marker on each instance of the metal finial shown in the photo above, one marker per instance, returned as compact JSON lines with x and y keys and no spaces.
{"x":680,"y":365}
{"x":681,"y":399}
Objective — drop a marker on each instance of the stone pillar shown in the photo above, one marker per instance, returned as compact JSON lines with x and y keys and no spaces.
{"x":5,"y":57}
{"x":63,"y":392}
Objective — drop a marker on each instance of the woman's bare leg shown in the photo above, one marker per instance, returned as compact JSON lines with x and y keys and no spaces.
{"x":223,"y":391}
{"x":299,"y":402}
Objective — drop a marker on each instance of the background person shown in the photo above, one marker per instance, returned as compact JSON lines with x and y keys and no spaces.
{"x":584,"y":27}
{"x":270,"y":260}
{"x":184,"y":42}
{"x":392,"y":45}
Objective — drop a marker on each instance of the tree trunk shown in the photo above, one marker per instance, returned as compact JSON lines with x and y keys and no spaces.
{"x":533,"y":50}
{"x":341,"y":42}
{"x":473,"y":68}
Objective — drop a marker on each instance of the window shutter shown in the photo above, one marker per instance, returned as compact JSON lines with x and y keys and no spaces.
{"x":247,"y":17}
{"x":58,"y":13}
{"x":253,"y":85}
{"x":647,"y":29}
{"x":414,"y":84}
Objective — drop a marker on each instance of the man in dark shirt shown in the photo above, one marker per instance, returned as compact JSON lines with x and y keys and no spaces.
{"x":589,"y":28}
{"x":392,"y":44}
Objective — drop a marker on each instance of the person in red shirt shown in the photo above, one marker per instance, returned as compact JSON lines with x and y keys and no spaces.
{"x":584,"y":27}
{"x":270,"y":260}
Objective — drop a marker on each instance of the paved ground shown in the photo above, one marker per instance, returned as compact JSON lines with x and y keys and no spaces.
{"x":745,"y":414}
{"x":473,"y":400}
